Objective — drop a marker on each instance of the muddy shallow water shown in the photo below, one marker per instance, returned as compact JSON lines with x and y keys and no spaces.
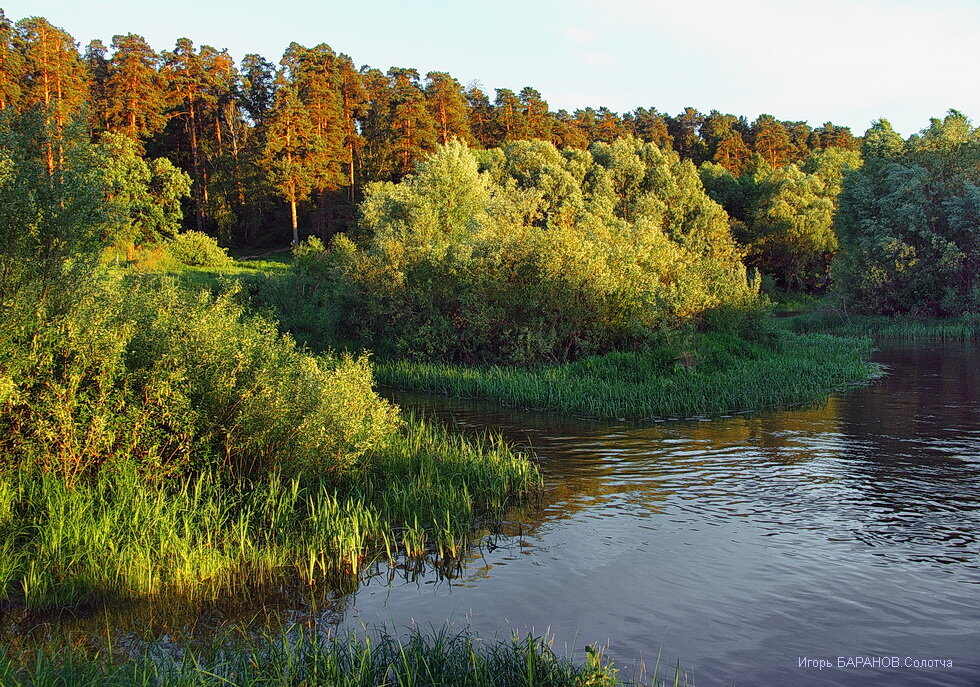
{"x":748,"y":547}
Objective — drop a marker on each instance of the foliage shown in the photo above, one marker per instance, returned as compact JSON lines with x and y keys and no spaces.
{"x":908,"y":222}
{"x":179,"y":380}
{"x":542,"y":255}
{"x":271,"y":148}
{"x":784,"y":215}
{"x":52,"y":223}
{"x":144,"y":195}
{"x":196,"y":249}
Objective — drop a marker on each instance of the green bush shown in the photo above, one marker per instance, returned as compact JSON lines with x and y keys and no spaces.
{"x":541,"y":256}
{"x":178,"y":380}
{"x":197,"y":249}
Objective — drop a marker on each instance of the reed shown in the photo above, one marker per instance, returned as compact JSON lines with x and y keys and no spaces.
{"x":296,"y":656}
{"x":121,"y":535}
{"x":733,"y":376}
{"x":962,"y":328}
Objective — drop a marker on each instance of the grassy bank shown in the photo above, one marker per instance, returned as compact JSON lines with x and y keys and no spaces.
{"x":836,"y":322}
{"x":121,"y":535}
{"x":294,"y":657}
{"x":719,"y":374}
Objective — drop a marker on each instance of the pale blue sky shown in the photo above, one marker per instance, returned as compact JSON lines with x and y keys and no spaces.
{"x":849,"y":61}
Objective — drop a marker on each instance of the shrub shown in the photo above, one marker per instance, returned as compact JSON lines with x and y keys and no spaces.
{"x":542,"y":256}
{"x":178,"y":381}
{"x":197,"y":249}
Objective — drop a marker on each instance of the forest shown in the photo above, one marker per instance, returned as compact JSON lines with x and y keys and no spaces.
{"x":171,"y":415}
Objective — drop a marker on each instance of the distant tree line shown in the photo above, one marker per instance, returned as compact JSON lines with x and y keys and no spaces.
{"x":272,"y":147}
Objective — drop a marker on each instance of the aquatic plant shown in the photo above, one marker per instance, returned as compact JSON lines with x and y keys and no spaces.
{"x":719,"y":374}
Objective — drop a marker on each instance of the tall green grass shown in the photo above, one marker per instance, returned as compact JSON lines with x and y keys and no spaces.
{"x":293,"y":657}
{"x":721,"y":374}
{"x":121,"y":535}
{"x":836,"y":322}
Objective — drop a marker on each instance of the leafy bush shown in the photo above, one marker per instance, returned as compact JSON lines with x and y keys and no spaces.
{"x":543,"y":255}
{"x":197,"y":249}
{"x":180,"y":381}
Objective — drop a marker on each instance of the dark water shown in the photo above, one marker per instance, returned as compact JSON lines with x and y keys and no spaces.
{"x":742,"y":545}
{"x":739,"y":546}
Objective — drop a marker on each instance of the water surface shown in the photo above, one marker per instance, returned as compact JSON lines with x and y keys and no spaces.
{"x":738,"y":545}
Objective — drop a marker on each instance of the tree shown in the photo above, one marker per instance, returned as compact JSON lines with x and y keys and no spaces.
{"x":732,"y":153}
{"x":771,"y":140}
{"x":98,"y":73}
{"x":509,"y":116}
{"x":413,"y":131}
{"x":534,"y":110}
{"x":908,"y":221}
{"x":11,"y":64}
{"x":650,"y":125}
{"x":144,"y":195}
{"x":291,"y":150}
{"x":832,"y":136}
{"x":54,"y":80}
{"x":258,"y":88}
{"x":187,"y":92}
{"x":448,"y":107}
{"x":567,"y":133}
{"x":135,"y":100}
{"x":353,"y":104}
{"x":685,"y":129}
{"x":608,"y":126}
{"x":481,"y":117}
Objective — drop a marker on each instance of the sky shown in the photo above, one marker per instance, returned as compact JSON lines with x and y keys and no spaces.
{"x":846,"y":61}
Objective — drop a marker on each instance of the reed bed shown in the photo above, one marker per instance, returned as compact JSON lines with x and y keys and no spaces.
{"x":120,"y":535}
{"x":795,"y":370}
{"x":950,"y":329}
{"x":294,"y":656}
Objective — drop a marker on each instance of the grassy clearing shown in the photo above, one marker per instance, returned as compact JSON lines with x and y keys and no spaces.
{"x":295,"y":657}
{"x":720,"y":374}
{"x":121,"y":535}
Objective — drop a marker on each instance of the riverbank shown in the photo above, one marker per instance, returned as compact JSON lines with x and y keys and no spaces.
{"x":123,"y":536}
{"x":835,"y":321}
{"x":297,"y":656}
{"x":717,"y":374}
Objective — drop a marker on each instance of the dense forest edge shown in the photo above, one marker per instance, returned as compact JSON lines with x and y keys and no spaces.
{"x":176,"y":421}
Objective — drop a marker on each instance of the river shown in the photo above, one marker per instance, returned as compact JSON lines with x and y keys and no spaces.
{"x":752,"y":549}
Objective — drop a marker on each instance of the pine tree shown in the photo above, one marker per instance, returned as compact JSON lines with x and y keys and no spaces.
{"x":732,"y":153}
{"x":608,"y":126}
{"x":135,"y":102}
{"x":291,"y":150}
{"x":685,"y":129}
{"x":354,"y":104}
{"x":54,"y":79}
{"x":413,"y":131}
{"x":448,"y":108}
{"x":98,"y":74}
{"x":567,"y":132}
{"x":508,"y":116}
{"x":771,"y":140}
{"x":258,"y":87}
{"x":650,"y":125}
{"x":535,"y":114}
{"x":11,"y":64}
{"x":481,"y":117}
